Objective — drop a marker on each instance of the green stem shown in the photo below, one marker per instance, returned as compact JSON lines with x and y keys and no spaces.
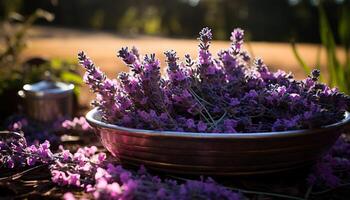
{"x":220,"y":119}
{"x":205,"y":109}
{"x":19,"y":175}
{"x":195,"y":94}
{"x":308,"y":192}
{"x":301,"y":62}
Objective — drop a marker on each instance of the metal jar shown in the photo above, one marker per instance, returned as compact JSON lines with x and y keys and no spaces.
{"x":47,"y":101}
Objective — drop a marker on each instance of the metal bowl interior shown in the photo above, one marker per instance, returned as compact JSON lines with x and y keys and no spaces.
{"x":216,"y":153}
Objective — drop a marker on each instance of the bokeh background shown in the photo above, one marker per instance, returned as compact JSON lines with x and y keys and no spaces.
{"x":320,"y":30}
{"x":269,"y":20}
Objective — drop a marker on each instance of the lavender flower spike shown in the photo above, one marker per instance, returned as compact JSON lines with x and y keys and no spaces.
{"x":105,"y":89}
{"x":171,"y":59}
{"x":205,"y":36}
{"x":237,"y":37}
{"x":131,"y":58}
{"x":93,"y":76}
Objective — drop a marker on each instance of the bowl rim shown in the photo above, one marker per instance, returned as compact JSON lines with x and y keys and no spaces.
{"x":92,"y":115}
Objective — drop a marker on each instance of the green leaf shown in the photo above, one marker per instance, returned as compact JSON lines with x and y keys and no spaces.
{"x":70,"y":77}
{"x":56,"y":64}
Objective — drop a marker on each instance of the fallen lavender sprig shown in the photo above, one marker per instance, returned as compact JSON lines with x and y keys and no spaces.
{"x":228,"y":93}
{"x":16,"y":153}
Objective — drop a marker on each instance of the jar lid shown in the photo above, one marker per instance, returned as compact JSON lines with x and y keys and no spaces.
{"x":48,"y":88}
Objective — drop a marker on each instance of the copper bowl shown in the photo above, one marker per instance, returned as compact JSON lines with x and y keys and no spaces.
{"x":216,"y":153}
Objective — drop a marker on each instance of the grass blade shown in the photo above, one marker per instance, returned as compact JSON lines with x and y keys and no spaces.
{"x":328,"y":42}
{"x":301,"y":62}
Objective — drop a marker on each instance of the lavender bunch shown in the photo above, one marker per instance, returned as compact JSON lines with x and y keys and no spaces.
{"x":227,"y":94}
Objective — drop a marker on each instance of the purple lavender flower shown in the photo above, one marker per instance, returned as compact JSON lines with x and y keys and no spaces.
{"x":131,"y":58}
{"x":16,"y":153}
{"x":68,"y":196}
{"x":190,"y":124}
{"x":205,"y":36}
{"x":106,"y":89}
{"x":77,"y":124}
{"x":201,"y":126}
{"x":171,"y":60}
{"x":234,"y":102}
{"x":230,"y":125}
{"x":237,"y":40}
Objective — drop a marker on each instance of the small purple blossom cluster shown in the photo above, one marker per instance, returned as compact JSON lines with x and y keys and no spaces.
{"x":77,"y":124}
{"x":229,"y":93}
{"x":333,"y":169}
{"x":76,"y":169}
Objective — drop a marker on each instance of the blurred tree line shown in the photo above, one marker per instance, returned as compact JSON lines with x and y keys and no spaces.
{"x":268,"y":20}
